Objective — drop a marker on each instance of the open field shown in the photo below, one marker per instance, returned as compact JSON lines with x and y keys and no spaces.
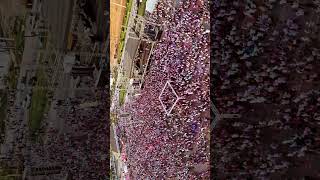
{"x":39,"y":100}
{"x":18,"y":35}
{"x":113,"y":85}
{"x":38,"y":104}
{"x":142,"y":8}
{"x":122,"y":96}
{"x":116,"y":20}
{"x":7,"y":173}
{"x":124,"y":30}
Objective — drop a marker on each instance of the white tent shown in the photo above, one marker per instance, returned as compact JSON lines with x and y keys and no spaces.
{"x":151,"y":4}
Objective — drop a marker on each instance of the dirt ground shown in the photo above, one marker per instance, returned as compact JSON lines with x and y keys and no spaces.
{"x":116,"y":17}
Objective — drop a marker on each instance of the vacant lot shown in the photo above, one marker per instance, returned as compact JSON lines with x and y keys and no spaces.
{"x":117,"y":13}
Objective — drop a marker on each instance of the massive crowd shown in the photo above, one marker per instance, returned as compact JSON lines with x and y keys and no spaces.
{"x":77,"y":139}
{"x":79,"y":145}
{"x":14,"y":131}
{"x":82,"y":147}
{"x":265,"y":68}
{"x":174,"y":146}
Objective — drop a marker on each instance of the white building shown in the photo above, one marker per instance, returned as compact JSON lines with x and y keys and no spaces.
{"x":151,"y":4}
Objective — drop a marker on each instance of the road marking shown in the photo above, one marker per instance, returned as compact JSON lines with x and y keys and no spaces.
{"x":117,"y":4}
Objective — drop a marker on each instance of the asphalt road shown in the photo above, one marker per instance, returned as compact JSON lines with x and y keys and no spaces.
{"x":102,"y":29}
{"x":124,"y":63}
{"x":16,"y":123}
{"x":58,"y":14}
{"x":130,"y":50}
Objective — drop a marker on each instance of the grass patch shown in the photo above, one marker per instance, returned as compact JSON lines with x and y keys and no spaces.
{"x":113,"y":117}
{"x":124,"y":29}
{"x":122,"y":96}
{"x":121,"y":43}
{"x":18,"y":34}
{"x":113,"y":86}
{"x":3,"y":112}
{"x":39,"y":103}
{"x":37,"y":109}
{"x":128,"y":10}
{"x":5,"y":173}
{"x":9,"y":177}
{"x":13,"y":76}
{"x":142,"y":8}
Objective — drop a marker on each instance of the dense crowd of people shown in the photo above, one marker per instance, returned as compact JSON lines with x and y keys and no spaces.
{"x":79,"y":144}
{"x":81,"y":149}
{"x":14,"y":139}
{"x":265,"y":68}
{"x":72,"y":137}
{"x":175,"y":145}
